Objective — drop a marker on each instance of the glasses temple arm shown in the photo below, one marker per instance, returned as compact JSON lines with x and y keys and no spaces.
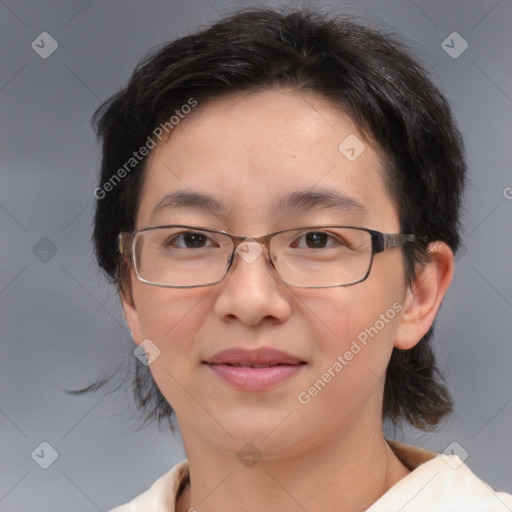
{"x":395,"y":240}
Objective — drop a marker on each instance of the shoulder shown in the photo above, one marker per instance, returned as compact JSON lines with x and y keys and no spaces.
{"x":161,"y":496}
{"x":442,"y":484}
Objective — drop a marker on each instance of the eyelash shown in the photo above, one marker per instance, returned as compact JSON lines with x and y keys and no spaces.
{"x":301,"y":236}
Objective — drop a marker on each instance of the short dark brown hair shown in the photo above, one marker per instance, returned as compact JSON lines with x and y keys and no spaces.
{"x":367,"y":73}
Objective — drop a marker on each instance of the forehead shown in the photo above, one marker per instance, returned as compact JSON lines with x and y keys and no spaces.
{"x":260,"y":155}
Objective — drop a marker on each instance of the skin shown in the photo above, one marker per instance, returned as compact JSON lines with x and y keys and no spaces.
{"x":248,"y":150}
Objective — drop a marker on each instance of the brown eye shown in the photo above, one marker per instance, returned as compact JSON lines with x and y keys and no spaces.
{"x":314,"y":240}
{"x":188,"y":240}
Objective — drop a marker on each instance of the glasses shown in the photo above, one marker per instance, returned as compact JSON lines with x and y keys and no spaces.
{"x":181,"y":256}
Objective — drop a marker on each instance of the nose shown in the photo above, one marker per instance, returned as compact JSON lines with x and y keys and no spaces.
{"x":252,"y":291}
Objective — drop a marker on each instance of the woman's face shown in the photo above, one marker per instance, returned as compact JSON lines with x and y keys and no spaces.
{"x":249,"y":152}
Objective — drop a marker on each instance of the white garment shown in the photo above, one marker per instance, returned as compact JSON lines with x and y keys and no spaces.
{"x":437,"y":483}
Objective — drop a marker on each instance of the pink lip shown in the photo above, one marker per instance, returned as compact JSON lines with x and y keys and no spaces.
{"x":246,"y":376}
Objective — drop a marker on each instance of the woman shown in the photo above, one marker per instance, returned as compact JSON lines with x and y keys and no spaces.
{"x":279,"y":207}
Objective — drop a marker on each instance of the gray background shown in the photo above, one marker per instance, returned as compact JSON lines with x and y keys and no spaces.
{"x":61,"y":324}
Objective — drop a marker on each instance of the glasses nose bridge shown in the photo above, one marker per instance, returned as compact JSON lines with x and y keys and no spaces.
{"x":263,"y":241}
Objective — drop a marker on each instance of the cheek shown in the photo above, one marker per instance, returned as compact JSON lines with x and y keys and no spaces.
{"x":355,"y":339}
{"x":170,"y":318}
{"x":355,"y":329}
{"x":344,"y":313}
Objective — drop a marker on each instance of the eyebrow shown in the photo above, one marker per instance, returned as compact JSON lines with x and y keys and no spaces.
{"x":323,"y":199}
{"x":185,"y":199}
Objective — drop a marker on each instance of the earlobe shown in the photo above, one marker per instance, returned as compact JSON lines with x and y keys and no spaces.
{"x":424,"y":296}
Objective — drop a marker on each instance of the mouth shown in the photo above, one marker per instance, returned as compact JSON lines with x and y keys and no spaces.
{"x":254,"y":370}
{"x":255,"y":365}
{"x":261,"y":357}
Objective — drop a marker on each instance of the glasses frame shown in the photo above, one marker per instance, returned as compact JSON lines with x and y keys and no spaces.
{"x":381,"y":242}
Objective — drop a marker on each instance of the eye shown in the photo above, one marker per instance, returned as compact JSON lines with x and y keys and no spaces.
{"x":315,"y":240}
{"x":189,"y":240}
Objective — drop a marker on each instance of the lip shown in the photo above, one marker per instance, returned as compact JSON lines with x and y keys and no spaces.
{"x":253,"y":370}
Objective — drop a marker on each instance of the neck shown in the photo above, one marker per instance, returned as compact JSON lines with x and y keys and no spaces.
{"x":341,"y":475}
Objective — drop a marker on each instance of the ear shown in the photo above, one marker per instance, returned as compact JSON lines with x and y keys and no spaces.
{"x":131,"y":316}
{"x":424,"y":296}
